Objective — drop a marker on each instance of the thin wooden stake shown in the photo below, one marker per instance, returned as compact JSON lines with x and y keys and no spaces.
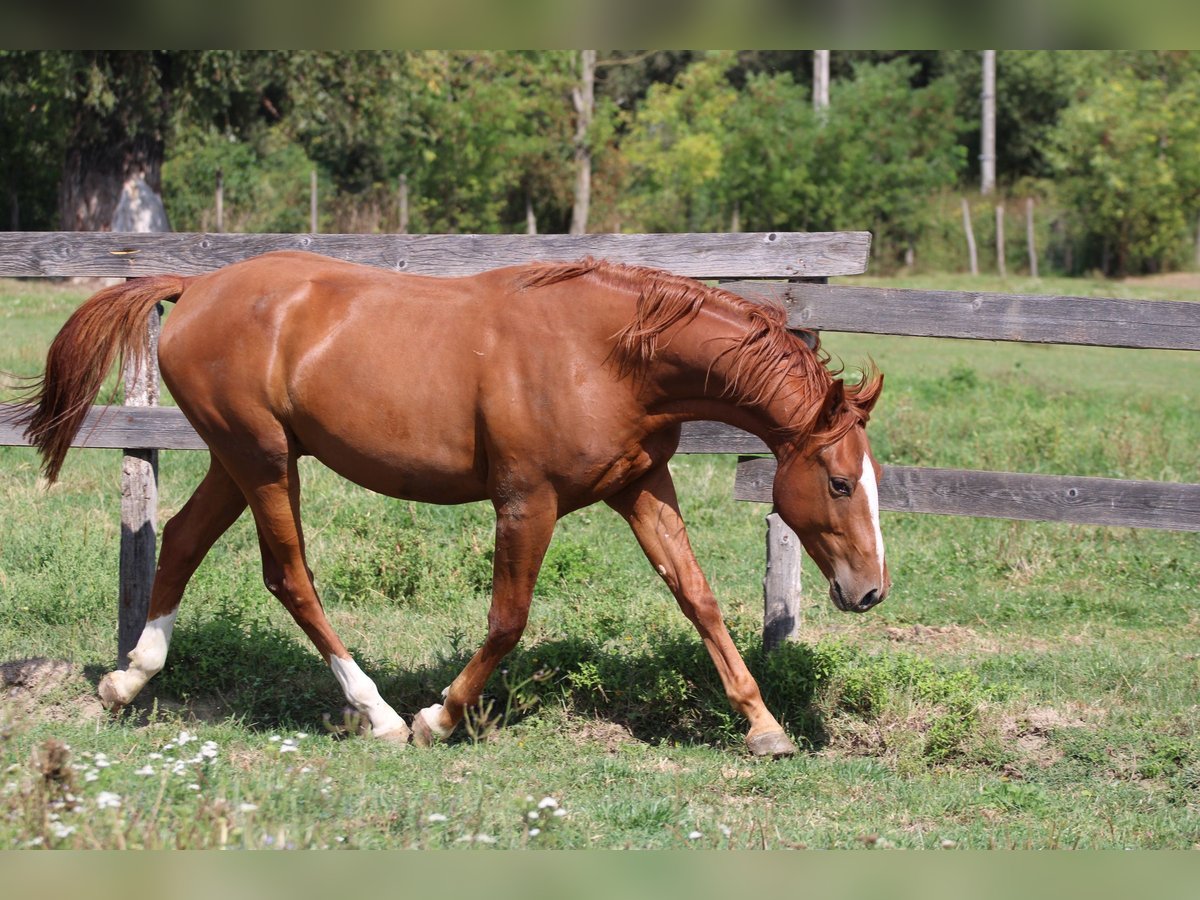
{"x":139,"y":507}
{"x":403,"y":204}
{"x":781,"y":584}
{"x":1029,"y":241}
{"x":971,"y":252}
{"x":312,"y":203}
{"x":1001,"y":262}
{"x":220,"y":201}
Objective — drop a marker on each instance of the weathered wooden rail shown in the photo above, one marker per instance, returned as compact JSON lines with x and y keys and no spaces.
{"x":741,"y":262}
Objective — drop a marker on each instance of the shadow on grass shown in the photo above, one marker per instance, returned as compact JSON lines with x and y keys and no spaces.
{"x":221,"y":669}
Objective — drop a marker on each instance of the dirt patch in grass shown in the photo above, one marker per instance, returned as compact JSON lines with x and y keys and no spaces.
{"x":610,"y":735}
{"x":49,"y":690}
{"x":948,"y":636}
{"x":1031,"y":730}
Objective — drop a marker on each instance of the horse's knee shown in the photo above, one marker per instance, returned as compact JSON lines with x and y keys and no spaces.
{"x":504,"y":631}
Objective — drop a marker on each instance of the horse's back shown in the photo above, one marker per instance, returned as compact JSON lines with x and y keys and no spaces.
{"x":406,"y":384}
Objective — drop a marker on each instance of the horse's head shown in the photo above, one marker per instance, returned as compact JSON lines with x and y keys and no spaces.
{"x":826,"y":490}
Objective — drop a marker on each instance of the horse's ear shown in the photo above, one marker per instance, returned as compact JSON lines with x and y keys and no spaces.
{"x":835,"y":398}
{"x":868,"y":392}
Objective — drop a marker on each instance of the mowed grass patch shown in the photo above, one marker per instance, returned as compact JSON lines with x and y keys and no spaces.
{"x":1026,"y":684}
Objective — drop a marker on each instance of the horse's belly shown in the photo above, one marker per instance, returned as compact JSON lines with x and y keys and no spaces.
{"x":395,"y":461}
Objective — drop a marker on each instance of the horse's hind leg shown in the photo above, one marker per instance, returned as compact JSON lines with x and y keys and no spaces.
{"x":652,"y":510}
{"x":187,"y":537}
{"x":275,"y":502}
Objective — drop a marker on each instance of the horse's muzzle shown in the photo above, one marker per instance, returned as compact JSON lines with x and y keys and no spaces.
{"x":872,"y":598}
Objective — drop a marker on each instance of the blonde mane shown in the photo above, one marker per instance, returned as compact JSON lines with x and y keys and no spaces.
{"x":766,"y":360}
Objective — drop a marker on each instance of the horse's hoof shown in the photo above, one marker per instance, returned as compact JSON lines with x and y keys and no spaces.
{"x":775,"y":744}
{"x":110,"y":695}
{"x":425,"y":730}
{"x":400,"y":734}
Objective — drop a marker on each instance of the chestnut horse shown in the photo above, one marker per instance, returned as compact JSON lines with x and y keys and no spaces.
{"x":543,"y":388}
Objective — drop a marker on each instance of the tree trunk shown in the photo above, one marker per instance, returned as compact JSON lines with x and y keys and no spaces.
{"x":584,"y":97}
{"x":530,"y":215}
{"x":820,"y":81}
{"x":987,"y":150}
{"x":95,"y":177}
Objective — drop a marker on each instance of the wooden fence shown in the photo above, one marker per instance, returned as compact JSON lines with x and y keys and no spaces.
{"x":797,"y":262}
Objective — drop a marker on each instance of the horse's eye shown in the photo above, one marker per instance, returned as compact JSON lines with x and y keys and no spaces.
{"x":840,"y":486}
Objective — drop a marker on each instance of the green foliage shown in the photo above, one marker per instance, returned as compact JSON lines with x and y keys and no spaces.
{"x":266,"y":184}
{"x":883,"y":148}
{"x":1127,"y":156}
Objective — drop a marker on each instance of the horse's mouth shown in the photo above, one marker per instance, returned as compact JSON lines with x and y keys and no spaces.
{"x":838,"y":598}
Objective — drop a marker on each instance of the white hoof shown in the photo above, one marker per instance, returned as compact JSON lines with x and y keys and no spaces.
{"x":115,"y":690}
{"x":395,"y":734}
{"x":425,"y":727}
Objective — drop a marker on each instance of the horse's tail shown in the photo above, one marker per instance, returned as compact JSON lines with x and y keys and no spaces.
{"x":110,"y":324}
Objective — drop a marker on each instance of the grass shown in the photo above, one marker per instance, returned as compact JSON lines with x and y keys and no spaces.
{"x":1026,"y":684}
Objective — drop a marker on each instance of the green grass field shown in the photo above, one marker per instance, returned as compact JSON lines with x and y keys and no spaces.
{"x":1025,"y":685}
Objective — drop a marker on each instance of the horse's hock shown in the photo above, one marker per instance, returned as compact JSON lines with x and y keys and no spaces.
{"x":786,"y":268}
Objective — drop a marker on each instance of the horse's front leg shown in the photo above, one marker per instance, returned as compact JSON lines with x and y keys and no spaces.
{"x":523,"y":531}
{"x":650,"y":507}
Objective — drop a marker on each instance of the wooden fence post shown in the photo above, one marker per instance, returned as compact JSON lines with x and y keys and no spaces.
{"x":312,"y":203}
{"x":220,"y":201}
{"x":1001,"y":262}
{"x":972,"y":255}
{"x":139,"y":506}
{"x":1029,"y":241}
{"x":781,"y":584}
{"x":403,"y":204}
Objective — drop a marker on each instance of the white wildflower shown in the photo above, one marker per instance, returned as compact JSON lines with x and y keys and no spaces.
{"x":435,"y":817}
{"x":61,"y":831}
{"x":91,"y":775}
{"x":305,"y":770}
{"x":948,"y":844}
{"x":101,"y":761}
{"x":476,"y":839}
{"x":559,"y":813}
{"x":533,"y":814}
{"x":193,"y":787}
{"x":248,"y":807}
{"x":274,"y":739}
{"x":155,"y":756}
{"x":725,"y":829}
{"x":209,"y":750}
{"x":534,"y":832}
{"x":301,"y":735}
{"x":144,"y":770}
{"x":36,"y":842}
{"x":547,"y":803}
{"x":694,"y":835}
{"x":108,"y":800}
{"x":184,"y":737}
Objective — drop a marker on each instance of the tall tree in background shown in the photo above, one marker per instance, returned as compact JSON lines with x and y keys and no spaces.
{"x":820,"y":80}
{"x":584,"y":97}
{"x":119,"y":110}
{"x":987,"y":155}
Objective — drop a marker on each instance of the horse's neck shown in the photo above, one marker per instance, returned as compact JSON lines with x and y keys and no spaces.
{"x":694,"y":378}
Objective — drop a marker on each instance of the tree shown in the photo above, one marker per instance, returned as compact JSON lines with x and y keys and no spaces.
{"x":32,"y":139}
{"x":119,"y":113}
{"x":675,"y":147}
{"x":1128,"y":160}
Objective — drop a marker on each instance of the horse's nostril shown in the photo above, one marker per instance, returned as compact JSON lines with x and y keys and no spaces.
{"x":869,"y":600}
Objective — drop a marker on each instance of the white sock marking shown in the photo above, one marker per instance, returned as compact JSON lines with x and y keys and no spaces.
{"x":362,"y":694}
{"x":150,"y":654}
{"x":871,"y":488}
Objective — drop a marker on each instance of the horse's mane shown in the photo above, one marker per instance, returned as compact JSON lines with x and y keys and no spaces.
{"x":763,"y":361}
